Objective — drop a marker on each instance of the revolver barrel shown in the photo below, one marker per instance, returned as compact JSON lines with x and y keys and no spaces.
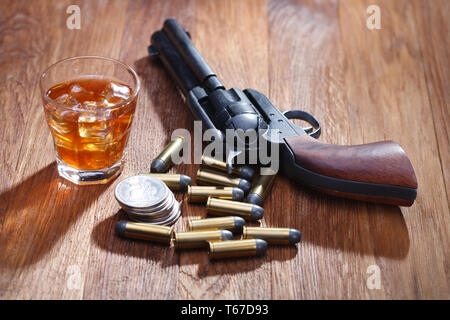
{"x":179,"y":37}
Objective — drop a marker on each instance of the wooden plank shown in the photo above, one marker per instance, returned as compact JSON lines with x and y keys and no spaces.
{"x":396,"y":93}
{"x":307,"y":72}
{"x":432,"y":28}
{"x":16,"y":87}
{"x":21,"y":63}
{"x":137,"y":269}
{"x":231,"y":53}
{"x":57,"y":239}
{"x":352,"y":79}
{"x":46,"y":232}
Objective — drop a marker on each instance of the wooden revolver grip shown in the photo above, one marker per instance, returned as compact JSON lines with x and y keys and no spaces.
{"x":375,"y":172}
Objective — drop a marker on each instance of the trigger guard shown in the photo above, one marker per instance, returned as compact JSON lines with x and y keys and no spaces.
{"x":305,"y":116}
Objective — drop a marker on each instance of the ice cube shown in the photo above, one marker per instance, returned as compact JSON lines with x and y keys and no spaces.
{"x":63,"y":142}
{"x":92,"y":105}
{"x":60,"y":120}
{"x":80,"y":93}
{"x":67,"y":100}
{"x":114,"y":90}
{"x":91,"y":125}
{"x":95,"y":147}
{"x":76,"y":88}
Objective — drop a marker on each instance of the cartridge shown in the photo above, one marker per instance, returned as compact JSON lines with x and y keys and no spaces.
{"x":208,"y":177}
{"x":199,"y":239}
{"x":201,"y":193}
{"x":245,"y":172}
{"x":220,"y":207}
{"x":163,"y":162}
{"x":234,"y":224}
{"x":260,"y":189}
{"x":237,"y":248}
{"x":273,"y":235}
{"x":144,"y":231}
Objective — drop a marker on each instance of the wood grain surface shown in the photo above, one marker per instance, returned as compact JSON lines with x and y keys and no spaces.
{"x":57,"y":240}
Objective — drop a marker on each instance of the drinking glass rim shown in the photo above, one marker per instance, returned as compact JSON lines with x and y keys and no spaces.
{"x":116,"y":106}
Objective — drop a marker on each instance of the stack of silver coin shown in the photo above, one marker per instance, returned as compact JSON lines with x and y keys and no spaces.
{"x":147,"y":199}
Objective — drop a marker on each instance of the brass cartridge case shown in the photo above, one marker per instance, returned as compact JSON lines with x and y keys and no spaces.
{"x":220,"y":207}
{"x":208,"y":177}
{"x":260,"y":189}
{"x":173,"y":181}
{"x":272,"y":235}
{"x":163,"y":162}
{"x":245,"y":172}
{"x":237,"y":248}
{"x":201,"y":193}
{"x":227,"y":223}
{"x":144,"y":231}
{"x":199,"y":239}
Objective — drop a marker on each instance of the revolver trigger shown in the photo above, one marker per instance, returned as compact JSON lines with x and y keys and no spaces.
{"x":314,"y":130}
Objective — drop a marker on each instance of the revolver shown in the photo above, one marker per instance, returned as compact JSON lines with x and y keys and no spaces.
{"x":375,"y":172}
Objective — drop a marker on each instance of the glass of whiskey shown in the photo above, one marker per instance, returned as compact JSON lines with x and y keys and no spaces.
{"x":89,"y":105}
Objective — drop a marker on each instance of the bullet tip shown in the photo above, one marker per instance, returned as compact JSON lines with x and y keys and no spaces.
{"x":238,"y":224}
{"x":237,"y":194}
{"x":121,"y":227}
{"x":227,"y":235}
{"x":294,"y":236}
{"x":244,"y":185}
{"x":158,"y":166}
{"x":254,"y":198}
{"x":257,"y":212}
{"x":261,"y":247}
{"x":185,"y":182}
{"x":247,"y":173}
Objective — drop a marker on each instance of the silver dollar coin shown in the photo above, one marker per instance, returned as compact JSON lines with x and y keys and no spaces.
{"x":141,"y":192}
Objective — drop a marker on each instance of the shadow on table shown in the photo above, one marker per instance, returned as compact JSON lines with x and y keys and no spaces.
{"x":159,"y":90}
{"x":348,"y":225}
{"x":169,"y":256}
{"x":326,"y":221}
{"x":166,"y":107}
{"x":37,"y":212}
{"x":104,"y":237}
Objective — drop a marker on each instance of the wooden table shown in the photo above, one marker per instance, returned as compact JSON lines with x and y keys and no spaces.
{"x":57,"y":239}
